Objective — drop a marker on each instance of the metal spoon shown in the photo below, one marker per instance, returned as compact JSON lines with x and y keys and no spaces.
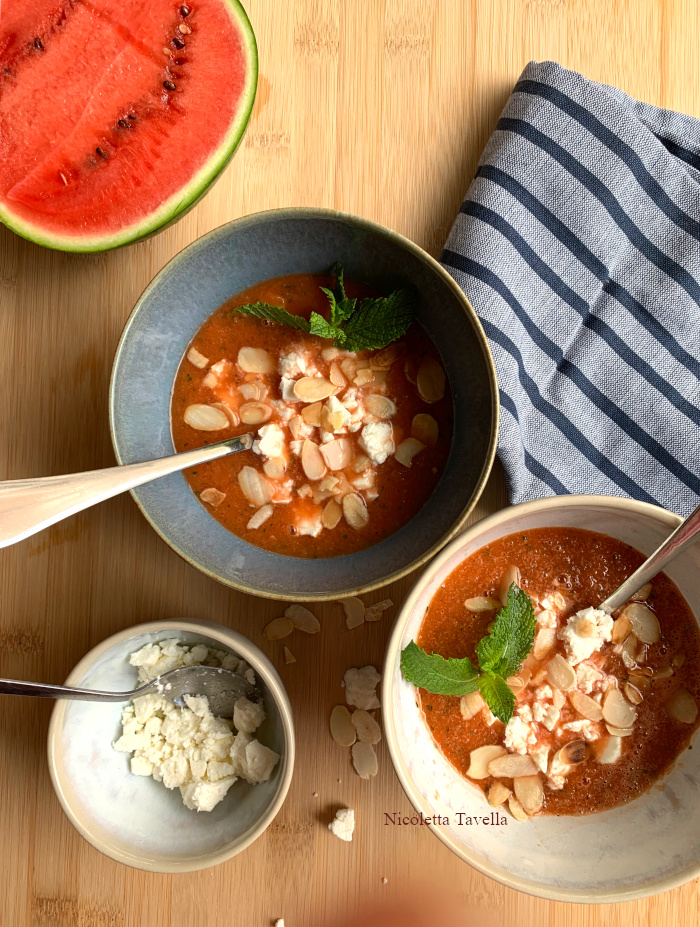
{"x":28,"y":506}
{"x":221,"y":687}
{"x":675,"y":543}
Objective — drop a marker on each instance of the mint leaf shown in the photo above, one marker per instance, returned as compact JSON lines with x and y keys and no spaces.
{"x":341,"y":307}
{"x":319,"y":326}
{"x":498,"y":695}
{"x":511,"y":637}
{"x":274,"y":314}
{"x":377,"y":322}
{"x":436,"y":674}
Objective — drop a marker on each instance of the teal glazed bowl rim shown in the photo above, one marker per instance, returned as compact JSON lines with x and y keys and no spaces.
{"x":230,"y":259}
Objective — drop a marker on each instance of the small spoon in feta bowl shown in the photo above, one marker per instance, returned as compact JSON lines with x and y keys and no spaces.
{"x":221,"y":687}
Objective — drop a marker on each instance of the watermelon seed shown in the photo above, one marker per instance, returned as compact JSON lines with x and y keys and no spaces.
{"x":38,"y":44}
{"x":185,"y":10}
{"x":130,"y":116}
{"x":7,"y":71}
{"x":166,"y":51}
{"x":124,"y":124}
{"x":169,"y":85}
{"x":179,"y":61}
{"x":184,"y":29}
{"x":63,"y":178}
{"x":177,"y":42}
{"x":101,"y":153}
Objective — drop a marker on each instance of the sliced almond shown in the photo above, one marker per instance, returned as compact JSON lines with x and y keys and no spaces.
{"x":343,"y":487}
{"x":511,"y":766}
{"x":253,"y":390}
{"x":481,"y":757}
{"x":375,"y":612}
{"x":517,"y":810}
{"x":481,"y":603}
{"x":430,"y":380}
{"x":498,"y":793}
{"x":609,"y":750}
{"x":205,"y":418}
{"x":331,"y":514}
{"x":363,"y":377}
{"x":368,"y":731}
{"x":425,"y":429}
{"x":254,"y":413}
{"x":645,"y":624}
{"x":255,"y":488}
{"x":337,"y":454}
{"x":558,"y":699}
{"x":678,"y":660}
{"x":260,"y":517}
{"x":354,"y":611}
{"x":349,"y":367}
{"x":210,"y":380}
{"x":682,"y":707}
{"x":275,"y":468}
{"x":621,"y":629}
{"x":640,"y":681}
{"x":313,"y":389}
{"x":617,"y":710}
{"x":212,"y":497}
{"x":407,"y":450}
{"x":197,"y":358}
{"x":381,"y":406}
{"x":277,"y":629}
{"x":232,"y":417}
{"x":629,"y":651}
{"x":586,"y":706}
{"x":355,"y":510}
{"x":529,"y":792}
{"x":330,"y":354}
{"x":410,"y":369}
{"x":383,"y":359}
{"x":641,"y":595}
{"x":470,"y":705}
{"x":511,"y":575}
{"x":303,"y":619}
{"x":364,"y":759}
{"x":331,"y":420}
{"x":516,"y":684}
{"x":632,"y":694}
{"x":572,"y":754}
{"x":544,"y":641}
{"x":561,"y":674}
{"x":312,"y":414}
{"x":337,"y":377}
{"x":289,"y":656}
{"x":360,"y":463}
{"x":255,"y":360}
{"x":619,"y":731}
{"x":342,"y":729}
{"x":311,"y":461}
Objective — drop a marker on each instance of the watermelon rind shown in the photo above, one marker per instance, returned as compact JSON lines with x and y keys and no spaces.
{"x":181,"y":202}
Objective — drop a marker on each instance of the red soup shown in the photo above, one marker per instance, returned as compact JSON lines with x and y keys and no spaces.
{"x":604,"y":704}
{"x":349,"y":446}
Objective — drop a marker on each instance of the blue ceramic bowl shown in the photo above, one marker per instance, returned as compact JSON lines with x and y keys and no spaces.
{"x":240,"y":255}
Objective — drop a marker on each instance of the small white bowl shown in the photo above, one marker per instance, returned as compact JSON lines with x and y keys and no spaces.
{"x":136,"y":820}
{"x":647,"y":846}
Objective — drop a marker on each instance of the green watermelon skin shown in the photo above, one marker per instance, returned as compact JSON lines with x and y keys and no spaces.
{"x":112,"y":155}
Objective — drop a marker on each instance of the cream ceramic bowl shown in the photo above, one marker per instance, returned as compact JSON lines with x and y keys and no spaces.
{"x":647,"y":846}
{"x":136,"y":820}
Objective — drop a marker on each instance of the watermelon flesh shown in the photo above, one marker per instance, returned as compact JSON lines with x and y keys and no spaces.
{"x":115,"y":115}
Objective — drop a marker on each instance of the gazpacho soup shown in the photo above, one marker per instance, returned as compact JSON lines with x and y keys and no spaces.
{"x":602,"y":704}
{"x":349,"y":441}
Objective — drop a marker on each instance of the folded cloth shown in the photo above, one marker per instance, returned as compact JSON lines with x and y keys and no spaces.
{"x":578,"y":245}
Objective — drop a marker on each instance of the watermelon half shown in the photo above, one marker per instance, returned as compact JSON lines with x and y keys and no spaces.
{"x":117,"y":115}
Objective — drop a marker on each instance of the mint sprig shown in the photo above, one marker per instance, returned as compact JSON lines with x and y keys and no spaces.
{"x":369,"y":325}
{"x":500,"y":654}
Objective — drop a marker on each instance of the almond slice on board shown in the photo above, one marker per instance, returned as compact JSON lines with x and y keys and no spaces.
{"x":354,"y":611}
{"x":289,"y":656}
{"x":342,"y":729}
{"x":364,"y":759}
{"x":303,"y":619}
{"x":277,"y":629}
{"x":368,"y":731}
{"x":375,"y":612}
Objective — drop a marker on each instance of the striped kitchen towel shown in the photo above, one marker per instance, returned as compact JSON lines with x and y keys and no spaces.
{"x":578,"y":245}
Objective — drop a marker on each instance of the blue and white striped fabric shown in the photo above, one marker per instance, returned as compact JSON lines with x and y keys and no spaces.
{"x":578,"y":245}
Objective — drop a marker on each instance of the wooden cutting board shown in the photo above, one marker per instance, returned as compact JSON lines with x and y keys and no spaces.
{"x":381,"y":108}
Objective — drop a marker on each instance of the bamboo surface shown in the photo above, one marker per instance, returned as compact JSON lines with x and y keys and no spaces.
{"x":380,"y":108}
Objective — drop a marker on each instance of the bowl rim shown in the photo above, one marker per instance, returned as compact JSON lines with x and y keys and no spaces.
{"x":499,"y":874}
{"x":307,"y":212}
{"x":229,"y":638}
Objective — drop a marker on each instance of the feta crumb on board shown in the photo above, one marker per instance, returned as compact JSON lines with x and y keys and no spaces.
{"x":343,"y":825}
{"x":188,"y":748}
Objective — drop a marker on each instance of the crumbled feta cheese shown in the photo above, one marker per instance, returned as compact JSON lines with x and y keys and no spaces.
{"x":283,"y":410}
{"x":588,"y":677}
{"x":292,"y":365}
{"x":546,"y":619}
{"x":540,"y":755}
{"x":525,"y":712}
{"x":377,"y":441}
{"x":310,"y":525}
{"x":543,"y":692}
{"x":295,"y":447}
{"x":519,"y":735}
{"x":261,"y":761}
{"x":270,"y":441}
{"x":551,"y":718}
{"x":588,"y":729}
{"x":279,"y":922}
{"x":337,"y":409}
{"x":343,"y":825}
{"x":300,"y":429}
{"x":360,"y":686}
{"x":585,"y":633}
{"x":287,"y":390}
{"x":247,"y":716}
{"x":539,"y":711}
{"x":558,"y":771}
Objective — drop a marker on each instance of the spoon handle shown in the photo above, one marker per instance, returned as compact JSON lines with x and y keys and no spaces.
{"x":684,"y":535}
{"x":42,"y":690}
{"x":28,"y":506}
